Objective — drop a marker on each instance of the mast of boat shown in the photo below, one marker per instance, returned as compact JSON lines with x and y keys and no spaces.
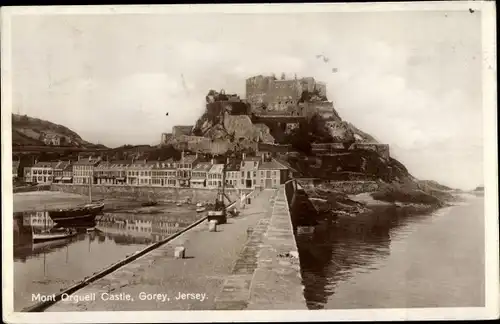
{"x":32,"y":231}
{"x":90,"y":189}
{"x":44,"y":262}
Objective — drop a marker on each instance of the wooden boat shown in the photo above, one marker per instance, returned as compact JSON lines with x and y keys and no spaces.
{"x":52,"y":236}
{"x":76,"y":215}
{"x":149,"y":203}
{"x":200,"y":209}
{"x":83,"y":214}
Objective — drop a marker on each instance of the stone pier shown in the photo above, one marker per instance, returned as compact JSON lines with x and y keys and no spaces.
{"x":249,"y":263}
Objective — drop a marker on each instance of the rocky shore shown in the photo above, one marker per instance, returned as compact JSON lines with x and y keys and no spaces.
{"x":331,"y":205}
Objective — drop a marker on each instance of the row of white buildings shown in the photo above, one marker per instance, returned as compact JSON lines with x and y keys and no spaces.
{"x":188,"y":172}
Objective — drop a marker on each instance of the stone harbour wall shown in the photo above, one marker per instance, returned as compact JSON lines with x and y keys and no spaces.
{"x":158,"y":193}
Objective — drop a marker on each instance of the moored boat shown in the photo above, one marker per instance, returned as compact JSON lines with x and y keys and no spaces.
{"x":80,"y":214}
{"x":200,"y":209}
{"x":52,"y":236}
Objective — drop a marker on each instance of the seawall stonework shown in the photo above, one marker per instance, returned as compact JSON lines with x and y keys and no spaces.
{"x":158,"y":193}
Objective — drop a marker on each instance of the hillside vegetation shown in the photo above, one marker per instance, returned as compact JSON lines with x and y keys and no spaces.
{"x":28,"y":130}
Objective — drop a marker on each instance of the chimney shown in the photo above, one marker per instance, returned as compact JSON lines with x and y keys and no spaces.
{"x":227,"y":160}
{"x":244,"y":156}
{"x":182,"y":155}
{"x":196,"y":154}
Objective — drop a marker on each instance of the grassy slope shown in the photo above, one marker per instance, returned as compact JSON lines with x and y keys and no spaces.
{"x":26,"y":131}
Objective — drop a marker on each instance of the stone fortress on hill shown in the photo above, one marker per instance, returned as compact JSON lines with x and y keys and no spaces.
{"x":272,"y":109}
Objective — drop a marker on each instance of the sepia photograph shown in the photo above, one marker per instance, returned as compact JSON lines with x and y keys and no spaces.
{"x":195,"y":163}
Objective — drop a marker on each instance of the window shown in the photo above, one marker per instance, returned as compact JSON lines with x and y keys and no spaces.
{"x":254,"y":182}
{"x":248,"y":174}
{"x":242,"y":181}
{"x":255,"y":174}
{"x":274,"y":174}
{"x":268,"y":174}
{"x":242,"y":174}
{"x":262,"y":174}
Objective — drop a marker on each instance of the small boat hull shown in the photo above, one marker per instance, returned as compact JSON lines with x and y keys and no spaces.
{"x":39,"y":238}
{"x":79,"y":215}
{"x":218,"y":215}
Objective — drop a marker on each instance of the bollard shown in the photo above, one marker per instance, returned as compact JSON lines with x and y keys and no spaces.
{"x":212,"y":226}
{"x":249,"y":231}
{"x":180,"y":252}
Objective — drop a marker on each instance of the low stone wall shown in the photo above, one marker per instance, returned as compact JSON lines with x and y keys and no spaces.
{"x":277,"y":280}
{"x":31,"y":188}
{"x":158,"y":193}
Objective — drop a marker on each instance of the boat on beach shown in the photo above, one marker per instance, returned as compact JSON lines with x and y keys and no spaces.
{"x":80,"y":214}
{"x":200,"y":209}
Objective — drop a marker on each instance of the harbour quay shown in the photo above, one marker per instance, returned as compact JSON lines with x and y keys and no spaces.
{"x":246,"y":263}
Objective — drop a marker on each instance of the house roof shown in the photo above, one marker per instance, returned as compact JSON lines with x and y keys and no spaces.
{"x":233,"y":165}
{"x":43,"y":165}
{"x":252,"y":159}
{"x":87,"y":162}
{"x":189,"y":159}
{"x":217,"y":168}
{"x":61,"y":165}
{"x":202,"y":167}
{"x":286,"y":164}
{"x":164,"y":165}
{"x":272,"y":165}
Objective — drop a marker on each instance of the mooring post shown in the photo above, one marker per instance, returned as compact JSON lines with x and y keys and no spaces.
{"x":212,"y":226}
{"x":180,"y":252}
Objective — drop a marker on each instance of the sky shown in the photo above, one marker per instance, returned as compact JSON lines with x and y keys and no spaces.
{"x":410,"y":79}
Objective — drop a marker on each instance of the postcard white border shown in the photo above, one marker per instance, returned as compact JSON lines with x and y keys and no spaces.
{"x":491,"y":310}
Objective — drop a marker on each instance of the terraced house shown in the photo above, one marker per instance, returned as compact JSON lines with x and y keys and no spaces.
{"x":164,"y":174}
{"x":58,"y":171}
{"x":83,"y":170}
{"x":233,"y":173}
{"x":199,"y":177}
{"x":215,"y":176}
{"x":248,"y":171}
{"x":140,"y":172}
{"x":185,"y":168}
{"x":67,"y":174}
{"x":112,"y":173}
{"x":42,"y":172}
{"x":272,"y":173}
